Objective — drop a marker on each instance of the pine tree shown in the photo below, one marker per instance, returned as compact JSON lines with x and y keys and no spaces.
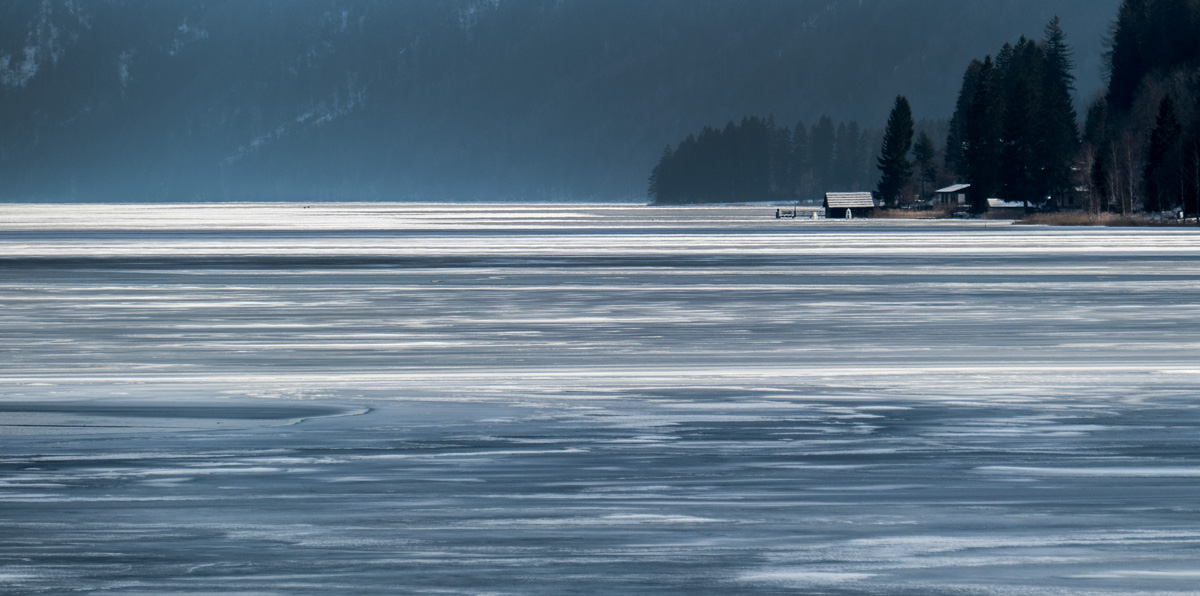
{"x":981,"y":131}
{"x":956,"y":138}
{"x":924,"y":158}
{"x":1163,"y":173}
{"x":1021,"y":133}
{"x":1125,"y":58}
{"x":893,"y":158}
{"x":1058,"y":141}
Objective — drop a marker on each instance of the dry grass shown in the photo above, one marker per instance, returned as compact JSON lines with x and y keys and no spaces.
{"x":930,"y":213}
{"x":1080,"y":218}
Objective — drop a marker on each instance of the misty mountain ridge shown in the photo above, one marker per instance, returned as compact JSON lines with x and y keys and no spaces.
{"x":133,"y":100}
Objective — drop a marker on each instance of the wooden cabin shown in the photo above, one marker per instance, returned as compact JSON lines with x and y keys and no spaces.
{"x":848,"y":205}
{"x":953,"y":196}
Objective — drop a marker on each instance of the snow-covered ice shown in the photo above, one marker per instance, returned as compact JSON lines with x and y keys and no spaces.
{"x":543,"y":399}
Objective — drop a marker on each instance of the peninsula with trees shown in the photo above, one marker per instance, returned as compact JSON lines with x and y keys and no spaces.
{"x":1014,"y":135}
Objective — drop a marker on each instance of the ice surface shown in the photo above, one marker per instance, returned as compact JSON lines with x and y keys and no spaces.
{"x":548,"y":399}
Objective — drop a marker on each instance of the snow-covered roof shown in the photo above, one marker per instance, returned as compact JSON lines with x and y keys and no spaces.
{"x":955,"y":188}
{"x":843,"y":200}
{"x":1001,"y":204}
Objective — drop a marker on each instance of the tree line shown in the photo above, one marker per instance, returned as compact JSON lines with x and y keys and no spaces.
{"x":1013,"y":135}
{"x":757,"y":160}
{"x":1014,"y":131}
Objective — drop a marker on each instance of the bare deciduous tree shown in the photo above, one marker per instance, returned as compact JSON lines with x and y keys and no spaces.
{"x":1125,"y":172}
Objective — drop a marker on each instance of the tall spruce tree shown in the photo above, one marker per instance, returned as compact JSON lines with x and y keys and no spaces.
{"x":1163,"y":173}
{"x":956,"y":138}
{"x":1058,"y":138}
{"x":1020,"y":74}
{"x":1125,"y":58}
{"x":981,"y":131}
{"x":893,"y":163}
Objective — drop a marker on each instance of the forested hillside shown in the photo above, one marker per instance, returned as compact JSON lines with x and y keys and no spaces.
{"x":454,"y":99}
{"x":1141,"y":142}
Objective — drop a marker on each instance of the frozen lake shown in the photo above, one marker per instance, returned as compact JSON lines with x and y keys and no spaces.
{"x":549,"y":399}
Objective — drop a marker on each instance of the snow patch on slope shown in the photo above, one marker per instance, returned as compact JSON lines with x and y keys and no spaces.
{"x":186,"y":35}
{"x":322,"y":113}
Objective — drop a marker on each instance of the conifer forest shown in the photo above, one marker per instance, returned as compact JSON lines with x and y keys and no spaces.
{"x":1014,"y":134}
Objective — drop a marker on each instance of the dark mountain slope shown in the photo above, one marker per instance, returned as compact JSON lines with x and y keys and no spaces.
{"x":454,"y":99}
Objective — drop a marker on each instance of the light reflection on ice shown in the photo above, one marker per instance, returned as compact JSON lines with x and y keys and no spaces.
{"x":1101,"y":471}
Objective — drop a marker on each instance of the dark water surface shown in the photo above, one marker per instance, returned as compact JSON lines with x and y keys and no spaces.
{"x":381,"y":399}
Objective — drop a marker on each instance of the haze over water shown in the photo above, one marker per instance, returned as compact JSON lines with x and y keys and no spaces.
{"x":381,"y":399}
